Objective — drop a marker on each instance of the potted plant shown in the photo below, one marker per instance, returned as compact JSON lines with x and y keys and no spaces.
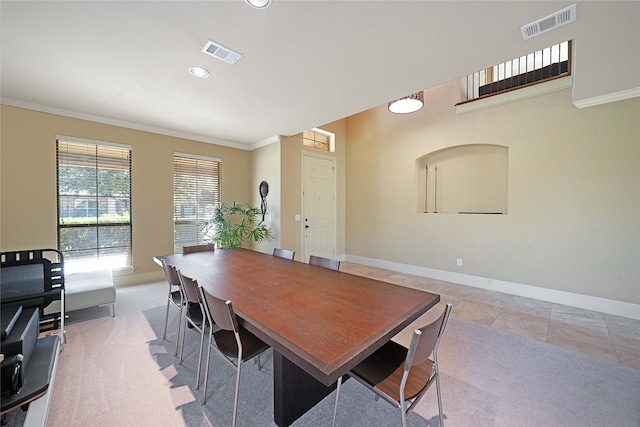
{"x":234,"y":223}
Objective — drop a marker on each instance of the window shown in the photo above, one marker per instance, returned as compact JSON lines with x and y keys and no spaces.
{"x":94,"y":204}
{"x":319,"y":139}
{"x":196,"y":193}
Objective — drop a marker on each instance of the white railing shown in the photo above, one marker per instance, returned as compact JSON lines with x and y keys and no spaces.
{"x":551,"y":62}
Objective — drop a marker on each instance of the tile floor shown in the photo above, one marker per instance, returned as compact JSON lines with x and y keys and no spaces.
{"x":612,"y":338}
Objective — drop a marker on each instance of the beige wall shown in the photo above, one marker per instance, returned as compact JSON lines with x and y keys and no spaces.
{"x":573,"y":193}
{"x":573,"y":189}
{"x":291,"y":200}
{"x":292,"y":150}
{"x":265,"y":166}
{"x":28,"y":181}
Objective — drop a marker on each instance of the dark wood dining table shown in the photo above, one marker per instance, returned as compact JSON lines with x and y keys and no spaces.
{"x":319,"y":322}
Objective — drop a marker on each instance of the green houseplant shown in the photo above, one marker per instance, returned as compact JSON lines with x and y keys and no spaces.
{"x":234,"y":223}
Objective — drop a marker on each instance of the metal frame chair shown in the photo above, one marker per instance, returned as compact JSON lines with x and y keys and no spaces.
{"x":284,"y":253}
{"x":331,"y":264}
{"x":193,"y":314}
{"x":402,"y":376}
{"x":231,"y":341}
{"x":175,"y":298}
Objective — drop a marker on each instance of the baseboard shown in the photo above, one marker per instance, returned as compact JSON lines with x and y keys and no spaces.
{"x":603,"y":305}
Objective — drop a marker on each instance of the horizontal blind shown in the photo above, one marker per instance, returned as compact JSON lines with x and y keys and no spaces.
{"x":196,"y":194}
{"x":94,"y":203}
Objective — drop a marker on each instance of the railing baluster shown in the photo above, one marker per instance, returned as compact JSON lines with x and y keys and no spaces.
{"x":520,"y":71}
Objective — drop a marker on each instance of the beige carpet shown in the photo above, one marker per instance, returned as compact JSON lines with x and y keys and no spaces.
{"x":116,"y":372}
{"x":107,"y":376}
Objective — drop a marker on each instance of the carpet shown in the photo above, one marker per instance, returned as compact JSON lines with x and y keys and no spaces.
{"x":117,"y":372}
{"x":489,"y":377}
{"x":256,"y":389}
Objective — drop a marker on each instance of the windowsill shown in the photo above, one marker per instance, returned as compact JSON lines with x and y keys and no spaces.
{"x":85,"y":267}
{"x":515,"y":95}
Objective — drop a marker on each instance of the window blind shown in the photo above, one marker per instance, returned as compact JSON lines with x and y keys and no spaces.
{"x":196,"y":193}
{"x":94,"y":203}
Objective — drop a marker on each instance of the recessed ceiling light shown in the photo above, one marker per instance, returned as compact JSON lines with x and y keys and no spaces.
{"x":259,"y":4}
{"x":199,"y":72}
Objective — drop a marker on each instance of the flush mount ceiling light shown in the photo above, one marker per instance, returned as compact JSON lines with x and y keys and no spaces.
{"x":408,"y":104}
{"x":199,"y":72}
{"x":259,"y":4}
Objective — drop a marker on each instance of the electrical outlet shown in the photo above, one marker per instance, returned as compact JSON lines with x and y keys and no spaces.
{"x":459,"y":262}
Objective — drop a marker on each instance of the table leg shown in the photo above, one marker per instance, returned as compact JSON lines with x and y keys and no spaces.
{"x":294,"y":391}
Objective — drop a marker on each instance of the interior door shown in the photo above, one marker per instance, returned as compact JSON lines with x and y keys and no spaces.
{"x":319,"y":207}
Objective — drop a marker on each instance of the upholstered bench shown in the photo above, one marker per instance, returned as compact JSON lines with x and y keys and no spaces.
{"x":85,"y":290}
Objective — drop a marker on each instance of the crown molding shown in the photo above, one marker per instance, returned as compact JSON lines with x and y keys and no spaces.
{"x":120,"y":123}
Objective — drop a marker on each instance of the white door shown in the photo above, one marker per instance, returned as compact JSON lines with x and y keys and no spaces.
{"x":319,"y":206}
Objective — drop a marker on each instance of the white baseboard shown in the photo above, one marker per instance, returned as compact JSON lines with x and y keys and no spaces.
{"x":603,"y":305}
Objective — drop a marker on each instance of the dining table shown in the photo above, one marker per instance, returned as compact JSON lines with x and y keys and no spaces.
{"x":320,"y":323}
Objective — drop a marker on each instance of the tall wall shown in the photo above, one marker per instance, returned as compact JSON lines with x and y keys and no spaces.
{"x":28,"y":182}
{"x":265,"y":166}
{"x":572,"y":222}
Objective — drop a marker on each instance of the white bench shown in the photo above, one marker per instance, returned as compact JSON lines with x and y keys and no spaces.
{"x":85,"y":290}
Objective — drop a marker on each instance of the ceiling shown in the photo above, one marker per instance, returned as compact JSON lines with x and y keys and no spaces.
{"x":304,"y":64}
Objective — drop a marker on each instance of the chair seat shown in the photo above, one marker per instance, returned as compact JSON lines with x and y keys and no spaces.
{"x":383,"y":371}
{"x":251,"y":345}
{"x":176,"y":297}
{"x":195,"y":314}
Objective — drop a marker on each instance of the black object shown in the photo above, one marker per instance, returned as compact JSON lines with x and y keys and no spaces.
{"x":37,"y":375}
{"x":33,"y":278}
{"x":10,"y":315}
{"x":12,"y":374}
{"x":23,"y":336}
{"x":17,"y":347}
{"x":29,"y":281}
{"x":263,"y":189}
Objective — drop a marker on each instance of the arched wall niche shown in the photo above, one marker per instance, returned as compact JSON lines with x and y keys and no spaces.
{"x":464,"y":179}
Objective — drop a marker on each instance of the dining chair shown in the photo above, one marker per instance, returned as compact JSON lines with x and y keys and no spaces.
{"x":194,"y":315}
{"x":175,"y":299}
{"x":191,"y":249}
{"x":284,"y":253}
{"x":331,"y":264}
{"x":232,"y":341}
{"x":402,"y":376}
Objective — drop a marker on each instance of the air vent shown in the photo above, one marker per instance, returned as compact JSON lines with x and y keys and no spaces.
{"x":549,"y":22}
{"x":221,"y":52}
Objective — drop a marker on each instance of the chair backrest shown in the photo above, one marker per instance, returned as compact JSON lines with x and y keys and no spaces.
{"x":198,"y":248}
{"x":220,"y":311}
{"x":331,"y":264}
{"x":284,"y":253}
{"x":426,"y":339}
{"x":190,"y":287}
{"x":171,"y":273}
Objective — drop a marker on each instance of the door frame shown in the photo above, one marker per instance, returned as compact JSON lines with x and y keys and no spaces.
{"x":334,"y":208}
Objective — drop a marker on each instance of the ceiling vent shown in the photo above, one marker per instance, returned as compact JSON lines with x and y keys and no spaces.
{"x":548,"y":23}
{"x":221,"y":52}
